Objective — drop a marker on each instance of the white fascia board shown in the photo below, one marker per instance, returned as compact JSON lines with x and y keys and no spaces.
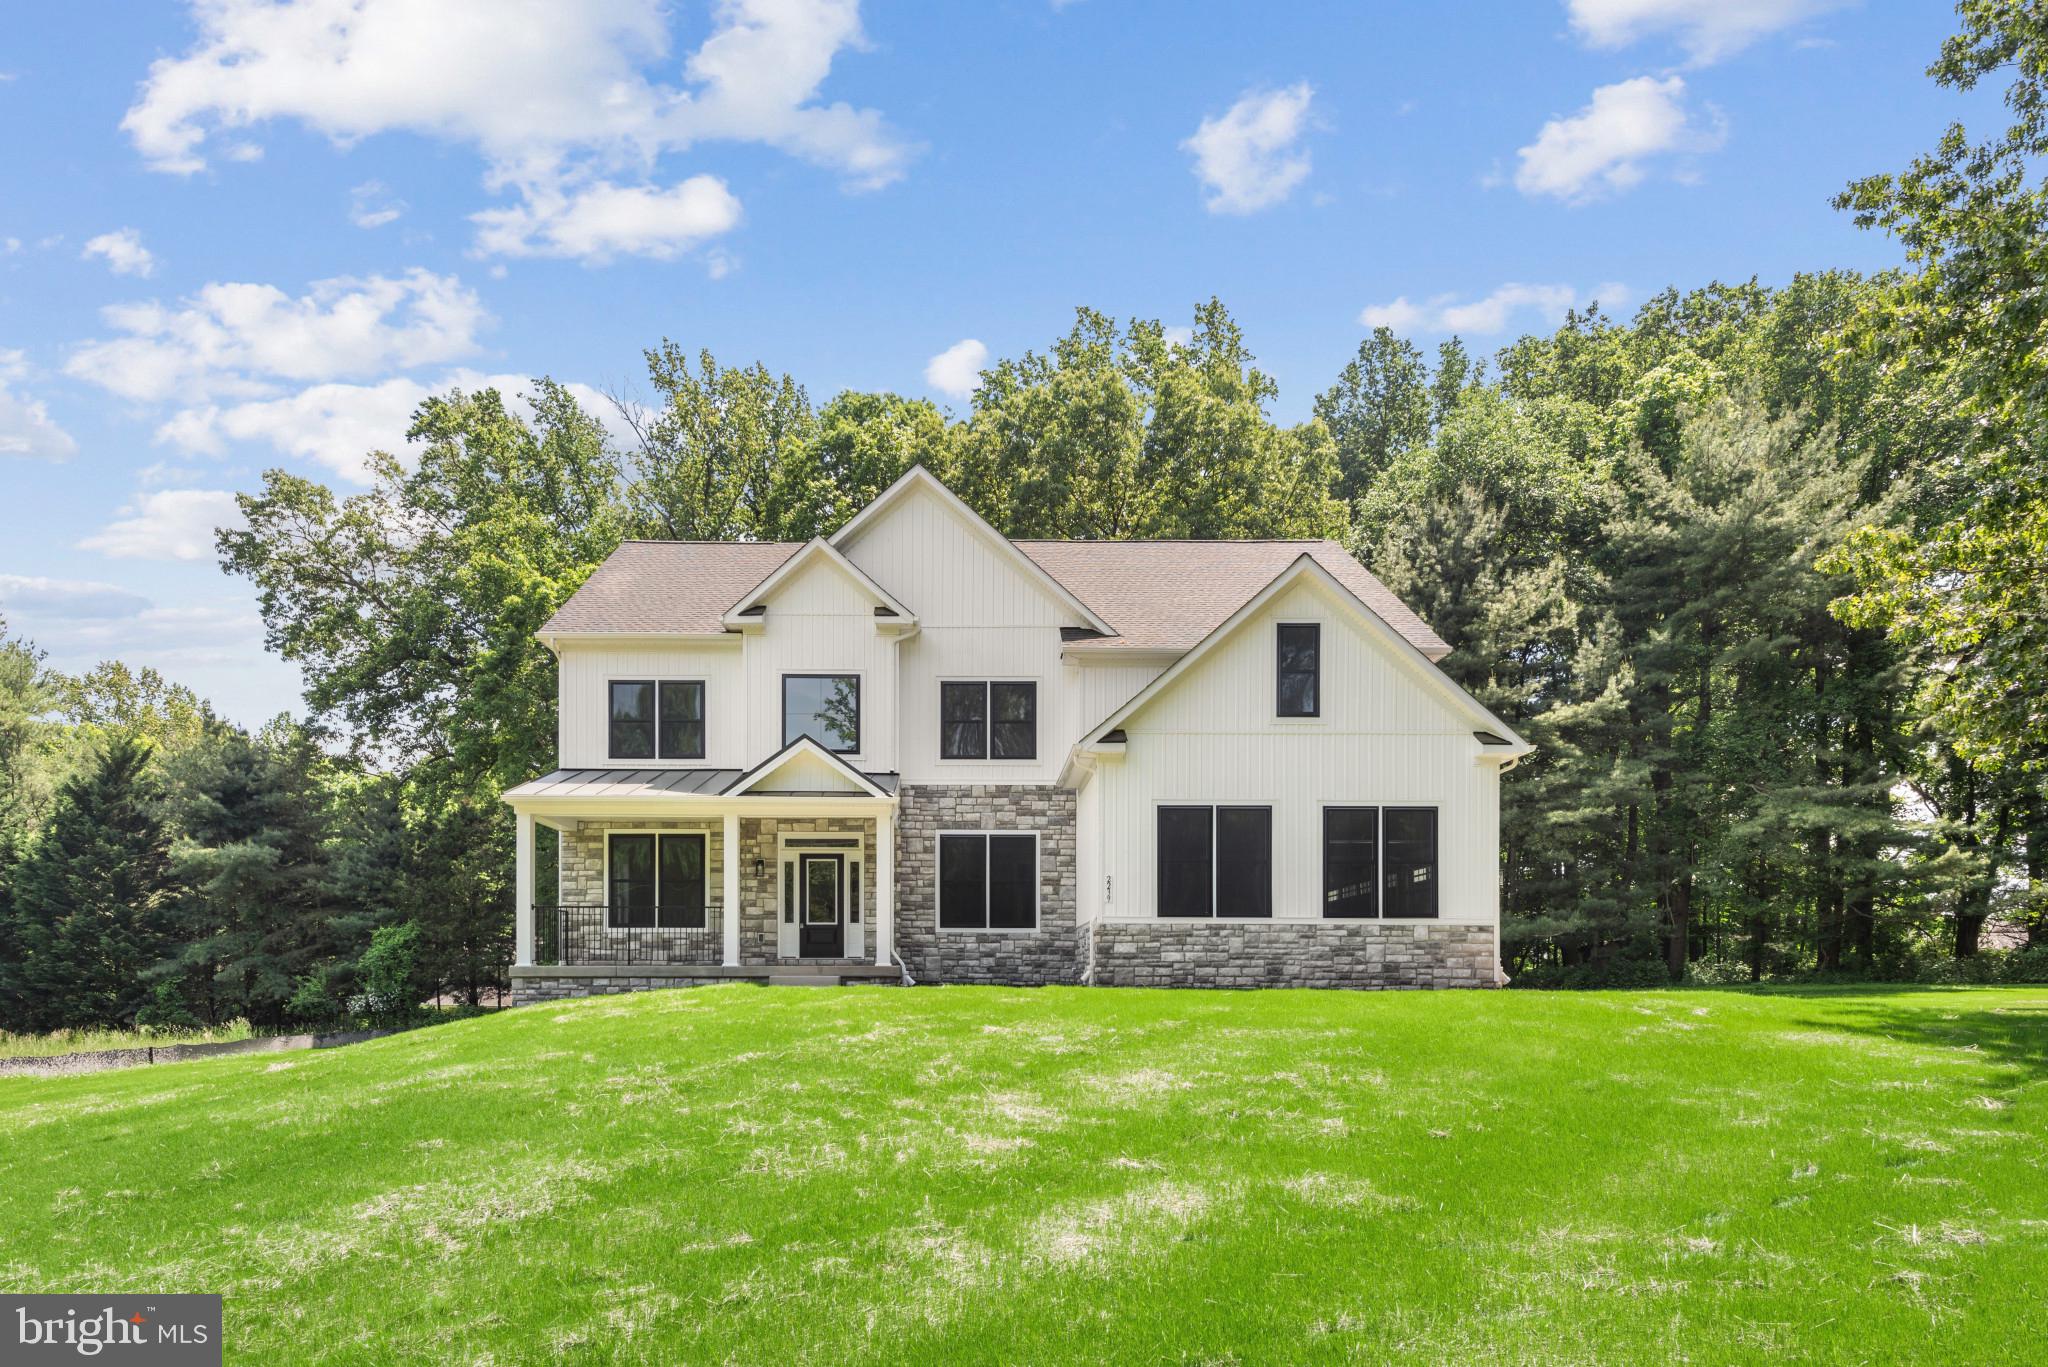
{"x":737,"y":618}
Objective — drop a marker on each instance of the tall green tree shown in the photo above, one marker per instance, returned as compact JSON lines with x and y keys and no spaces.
{"x":1379,"y":409}
{"x":90,"y":903}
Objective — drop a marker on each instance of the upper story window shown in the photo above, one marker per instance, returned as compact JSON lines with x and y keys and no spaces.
{"x":825,"y":707}
{"x":1215,"y":861}
{"x":988,"y":720}
{"x":656,"y":719}
{"x":1380,"y":861}
{"x":1300,"y":653}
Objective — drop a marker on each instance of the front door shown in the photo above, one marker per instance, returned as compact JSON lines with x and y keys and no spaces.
{"x":821,"y":929}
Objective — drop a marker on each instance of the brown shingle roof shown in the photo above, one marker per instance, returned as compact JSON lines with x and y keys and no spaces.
{"x":669,"y":585}
{"x":1159,"y":595}
{"x":1168,"y":595}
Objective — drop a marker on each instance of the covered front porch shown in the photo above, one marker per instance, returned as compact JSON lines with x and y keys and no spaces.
{"x":668,"y":876}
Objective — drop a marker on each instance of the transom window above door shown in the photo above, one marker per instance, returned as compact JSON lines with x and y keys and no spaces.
{"x":656,"y":719}
{"x":825,"y":707}
{"x":988,"y":719}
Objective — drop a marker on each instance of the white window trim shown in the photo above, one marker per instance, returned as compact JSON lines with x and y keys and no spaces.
{"x":1272,"y":810}
{"x":1038,"y":697}
{"x":856,"y":872}
{"x":1380,"y":864}
{"x":1037,"y":886}
{"x":711,"y":897}
{"x":702,"y":761}
{"x":782,"y":677}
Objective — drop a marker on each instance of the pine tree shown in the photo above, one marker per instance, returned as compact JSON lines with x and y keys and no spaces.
{"x":91,"y":901}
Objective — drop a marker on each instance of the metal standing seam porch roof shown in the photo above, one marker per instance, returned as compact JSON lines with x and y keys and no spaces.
{"x":632,"y":783}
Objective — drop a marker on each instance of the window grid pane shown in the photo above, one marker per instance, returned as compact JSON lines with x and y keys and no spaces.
{"x":963,"y":721}
{"x":825,"y":707}
{"x":1300,"y":669}
{"x":963,"y":882}
{"x":1186,"y":869}
{"x":1411,"y":862}
{"x":631,"y":901}
{"x":1244,"y":861}
{"x":1012,"y":882}
{"x":680,"y":900}
{"x":1014,"y":707}
{"x":631,"y":720}
{"x":682,"y":720}
{"x":1351,"y":837}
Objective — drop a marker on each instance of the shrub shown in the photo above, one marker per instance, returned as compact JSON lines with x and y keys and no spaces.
{"x":389,"y":972}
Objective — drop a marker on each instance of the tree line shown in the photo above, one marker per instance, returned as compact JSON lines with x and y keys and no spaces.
{"x":1758,"y":569}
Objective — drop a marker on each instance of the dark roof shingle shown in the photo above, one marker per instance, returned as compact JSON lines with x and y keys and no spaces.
{"x":663,"y":586}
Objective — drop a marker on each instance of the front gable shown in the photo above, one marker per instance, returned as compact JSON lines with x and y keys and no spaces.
{"x":818,"y":581}
{"x":1373,"y":681}
{"x":804,"y":767}
{"x":959,"y":570}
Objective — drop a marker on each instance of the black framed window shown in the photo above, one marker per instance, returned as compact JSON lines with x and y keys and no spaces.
{"x":825,"y":707}
{"x":1299,"y":651}
{"x":1216,"y":861}
{"x":656,"y":719}
{"x":1410,"y":862}
{"x":988,"y":880}
{"x":655,"y":880}
{"x":997,"y":719}
{"x":632,"y":719}
{"x":681,"y":717}
{"x":963,"y":720}
{"x":1351,"y":862}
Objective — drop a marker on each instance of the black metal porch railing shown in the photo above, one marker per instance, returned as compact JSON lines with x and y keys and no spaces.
{"x":600,"y":934}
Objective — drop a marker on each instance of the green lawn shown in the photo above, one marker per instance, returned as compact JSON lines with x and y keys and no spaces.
{"x":746,"y":1174}
{"x":94,"y":1041}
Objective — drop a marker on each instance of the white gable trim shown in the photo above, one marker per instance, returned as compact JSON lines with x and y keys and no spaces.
{"x":816,"y":548}
{"x":1306,"y":566}
{"x":804,"y":745}
{"x":919,"y":477}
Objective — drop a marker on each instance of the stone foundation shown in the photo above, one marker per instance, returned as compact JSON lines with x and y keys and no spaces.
{"x":1356,"y":954}
{"x":1050,"y":954}
{"x":528,"y":991}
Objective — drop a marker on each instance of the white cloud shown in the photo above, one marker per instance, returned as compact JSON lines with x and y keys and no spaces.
{"x":956,"y":371}
{"x":1248,"y":157}
{"x":77,"y":599}
{"x":372,"y":205}
{"x":170,"y":524}
{"x":1543,"y":305}
{"x":557,"y":98}
{"x":26,"y":427}
{"x":1603,"y":147}
{"x":601,"y":220}
{"x":338,"y":425}
{"x":123,"y":251}
{"x":241,"y":339}
{"x":1708,"y":29}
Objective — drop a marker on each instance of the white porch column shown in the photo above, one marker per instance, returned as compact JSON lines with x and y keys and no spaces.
{"x":730,"y":917}
{"x":522,"y":889}
{"x":885,"y":886}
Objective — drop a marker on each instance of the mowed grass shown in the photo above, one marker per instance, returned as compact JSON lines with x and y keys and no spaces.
{"x":747,"y":1174}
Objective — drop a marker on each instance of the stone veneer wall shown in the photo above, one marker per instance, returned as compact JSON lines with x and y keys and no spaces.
{"x":761,"y":898}
{"x":1050,"y":954}
{"x":527,"y":991}
{"x":1278,"y":954}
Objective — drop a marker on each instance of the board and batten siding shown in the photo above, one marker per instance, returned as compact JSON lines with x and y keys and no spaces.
{"x":584,"y":671}
{"x":819,"y":621}
{"x":1385,"y":738}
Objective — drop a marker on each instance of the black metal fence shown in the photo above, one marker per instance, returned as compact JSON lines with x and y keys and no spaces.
{"x":619,"y":934}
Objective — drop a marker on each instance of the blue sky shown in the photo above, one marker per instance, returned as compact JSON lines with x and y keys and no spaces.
{"x":242,"y":234}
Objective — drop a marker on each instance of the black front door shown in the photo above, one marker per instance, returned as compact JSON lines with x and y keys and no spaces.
{"x":821,"y":929}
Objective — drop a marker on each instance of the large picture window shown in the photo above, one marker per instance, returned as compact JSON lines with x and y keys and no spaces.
{"x":825,"y":707}
{"x":654,"y":879}
{"x":656,"y":719}
{"x":988,"y":881}
{"x":1300,"y":657}
{"x":1216,"y":861}
{"x":1380,"y":861}
{"x":997,"y":719}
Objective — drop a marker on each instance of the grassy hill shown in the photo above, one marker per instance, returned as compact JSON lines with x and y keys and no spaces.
{"x":965,"y":1175}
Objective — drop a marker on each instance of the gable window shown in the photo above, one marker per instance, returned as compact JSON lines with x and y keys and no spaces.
{"x":656,"y":719}
{"x":1299,"y":651}
{"x":825,"y":707}
{"x":988,"y":881}
{"x":654,"y":880}
{"x":1216,"y":861}
{"x":1380,"y":861}
{"x":992,"y":720}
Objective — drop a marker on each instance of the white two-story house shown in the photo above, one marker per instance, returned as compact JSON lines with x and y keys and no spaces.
{"x":920,"y":751}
